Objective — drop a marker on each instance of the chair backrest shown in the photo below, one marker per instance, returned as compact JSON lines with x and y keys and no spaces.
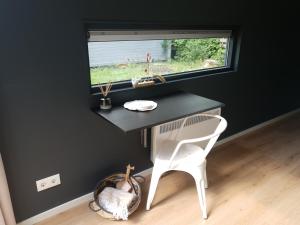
{"x":210,"y":139}
{"x":195,"y":126}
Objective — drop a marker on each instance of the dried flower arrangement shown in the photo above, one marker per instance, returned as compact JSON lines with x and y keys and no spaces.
{"x":149,"y":80}
{"x":105,"y":89}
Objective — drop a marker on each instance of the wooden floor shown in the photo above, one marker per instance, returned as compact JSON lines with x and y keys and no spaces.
{"x":253,"y":180}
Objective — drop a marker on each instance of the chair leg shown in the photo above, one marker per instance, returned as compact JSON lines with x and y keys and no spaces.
{"x":198,"y":173}
{"x":205,"y":176}
{"x":153,"y":185}
{"x":201,"y":196}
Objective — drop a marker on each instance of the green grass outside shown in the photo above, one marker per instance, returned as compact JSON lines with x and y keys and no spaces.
{"x":104,"y":74}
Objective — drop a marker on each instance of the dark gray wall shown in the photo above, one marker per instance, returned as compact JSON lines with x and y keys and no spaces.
{"x":46,"y":123}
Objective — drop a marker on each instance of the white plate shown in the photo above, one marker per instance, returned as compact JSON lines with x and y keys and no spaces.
{"x":140,"y":105}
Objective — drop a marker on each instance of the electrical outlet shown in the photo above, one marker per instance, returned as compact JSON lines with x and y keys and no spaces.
{"x":48,"y":182}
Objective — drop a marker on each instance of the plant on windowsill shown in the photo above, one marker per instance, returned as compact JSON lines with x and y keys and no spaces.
{"x":149,"y":79}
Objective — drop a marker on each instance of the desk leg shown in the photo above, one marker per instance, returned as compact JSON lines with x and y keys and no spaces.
{"x":144,"y":138}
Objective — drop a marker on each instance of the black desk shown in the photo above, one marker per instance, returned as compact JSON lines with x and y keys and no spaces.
{"x":169,"y":108}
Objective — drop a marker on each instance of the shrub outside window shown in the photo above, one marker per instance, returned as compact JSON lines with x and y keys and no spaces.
{"x":118,"y":56}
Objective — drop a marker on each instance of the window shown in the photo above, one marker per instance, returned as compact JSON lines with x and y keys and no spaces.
{"x":118,"y":56}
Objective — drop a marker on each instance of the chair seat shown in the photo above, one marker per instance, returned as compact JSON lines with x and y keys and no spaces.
{"x":188,"y":153}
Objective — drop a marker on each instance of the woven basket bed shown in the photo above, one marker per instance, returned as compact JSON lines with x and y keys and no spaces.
{"x":111,"y":181}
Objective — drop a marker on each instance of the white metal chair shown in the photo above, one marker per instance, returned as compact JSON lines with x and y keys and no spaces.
{"x":186,"y":155}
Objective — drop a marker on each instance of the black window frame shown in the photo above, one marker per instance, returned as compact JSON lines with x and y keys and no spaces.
{"x":232,"y":55}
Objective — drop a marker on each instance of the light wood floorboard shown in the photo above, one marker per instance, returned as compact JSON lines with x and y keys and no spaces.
{"x":253,"y":180}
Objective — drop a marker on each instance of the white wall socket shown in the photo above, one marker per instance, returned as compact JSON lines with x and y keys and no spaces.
{"x":48,"y":182}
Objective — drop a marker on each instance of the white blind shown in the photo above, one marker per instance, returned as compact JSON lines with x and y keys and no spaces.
{"x":138,"y":35}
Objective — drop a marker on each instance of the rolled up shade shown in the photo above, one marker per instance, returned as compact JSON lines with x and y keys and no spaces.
{"x":138,"y":35}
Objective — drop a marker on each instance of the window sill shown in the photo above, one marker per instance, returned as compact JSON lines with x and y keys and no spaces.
{"x":127,"y":85}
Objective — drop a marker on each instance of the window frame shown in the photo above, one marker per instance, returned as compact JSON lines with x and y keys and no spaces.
{"x":232,"y":59}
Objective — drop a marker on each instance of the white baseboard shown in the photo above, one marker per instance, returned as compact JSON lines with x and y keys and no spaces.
{"x":254,"y":128}
{"x":88,"y":197}
{"x":56,"y":210}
